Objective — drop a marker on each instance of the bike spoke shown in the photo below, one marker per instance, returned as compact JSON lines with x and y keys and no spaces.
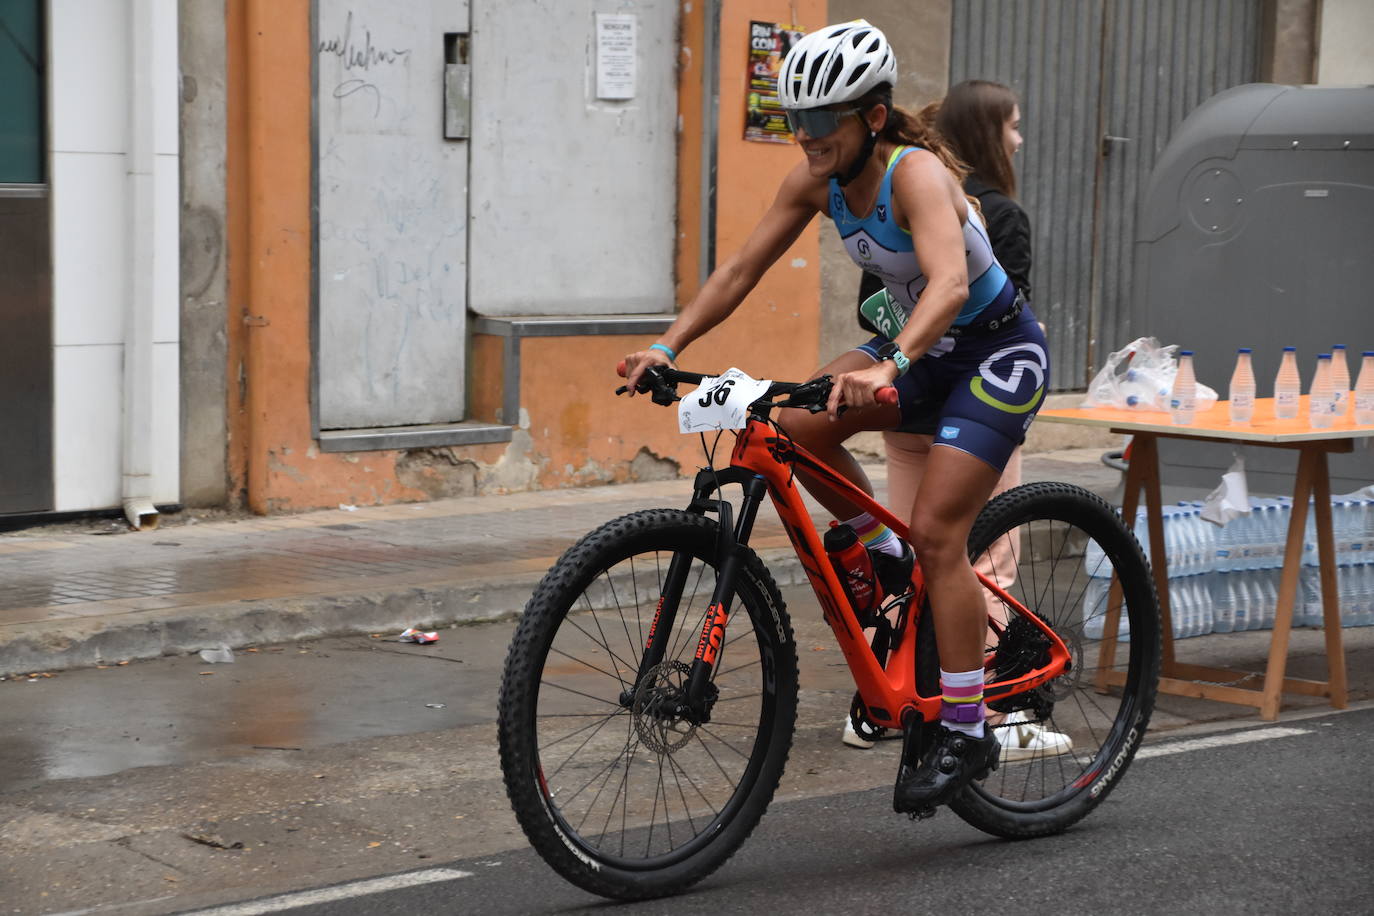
{"x":741,"y":753}
{"x":582,"y":694}
{"x":587,"y":664}
{"x":545,"y":745}
{"x":621,"y":610}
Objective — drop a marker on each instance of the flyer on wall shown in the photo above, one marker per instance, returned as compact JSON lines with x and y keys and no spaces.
{"x":769,"y":43}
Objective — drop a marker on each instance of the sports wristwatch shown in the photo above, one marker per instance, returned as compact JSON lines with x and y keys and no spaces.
{"x":891,"y":351}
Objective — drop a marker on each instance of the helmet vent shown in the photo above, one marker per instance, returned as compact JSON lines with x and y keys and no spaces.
{"x":814,"y":72}
{"x":836,"y":69}
{"x":858,"y":72}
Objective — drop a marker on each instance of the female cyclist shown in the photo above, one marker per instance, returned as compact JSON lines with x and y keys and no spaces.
{"x":981,"y":122}
{"x":959,"y":337}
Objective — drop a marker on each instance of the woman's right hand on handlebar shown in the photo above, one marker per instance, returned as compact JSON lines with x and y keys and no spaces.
{"x":636,"y":363}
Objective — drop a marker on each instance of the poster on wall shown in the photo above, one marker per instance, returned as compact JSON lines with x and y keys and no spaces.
{"x":615,"y":56}
{"x":769,"y":43}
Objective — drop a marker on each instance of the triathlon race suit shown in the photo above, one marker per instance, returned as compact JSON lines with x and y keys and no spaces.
{"x":980,"y":386}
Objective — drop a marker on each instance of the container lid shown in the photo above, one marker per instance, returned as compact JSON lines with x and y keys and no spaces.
{"x":1244,"y":350}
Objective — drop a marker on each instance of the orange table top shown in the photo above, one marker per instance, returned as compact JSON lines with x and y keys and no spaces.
{"x":1214,"y":423}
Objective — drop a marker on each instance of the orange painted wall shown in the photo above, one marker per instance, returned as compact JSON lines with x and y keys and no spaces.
{"x":578,"y":432}
{"x":776,"y":331}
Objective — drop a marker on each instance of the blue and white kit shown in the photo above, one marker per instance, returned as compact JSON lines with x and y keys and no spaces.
{"x":977,"y":391}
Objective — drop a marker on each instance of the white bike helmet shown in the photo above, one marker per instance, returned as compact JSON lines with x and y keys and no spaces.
{"x":839,"y":63}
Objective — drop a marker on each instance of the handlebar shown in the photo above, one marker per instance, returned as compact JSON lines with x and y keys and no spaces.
{"x":662,"y":384}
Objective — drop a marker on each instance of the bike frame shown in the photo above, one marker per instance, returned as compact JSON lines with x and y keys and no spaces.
{"x":763,"y":462}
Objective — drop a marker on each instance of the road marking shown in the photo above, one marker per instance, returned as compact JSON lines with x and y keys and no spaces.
{"x":340,"y":892}
{"x":1201,"y":744}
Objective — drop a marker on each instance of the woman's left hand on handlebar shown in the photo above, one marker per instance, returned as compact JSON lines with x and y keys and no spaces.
{"x":858,"y":389}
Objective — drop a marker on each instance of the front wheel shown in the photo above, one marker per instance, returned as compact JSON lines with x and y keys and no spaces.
{"x":618,"y":792}
{"x":1057,"y":549}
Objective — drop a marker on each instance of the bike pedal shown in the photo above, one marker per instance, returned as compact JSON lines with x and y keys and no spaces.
{"x":922,"y":814}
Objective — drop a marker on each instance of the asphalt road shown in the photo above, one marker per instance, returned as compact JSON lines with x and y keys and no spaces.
{"x":1268,"y":818}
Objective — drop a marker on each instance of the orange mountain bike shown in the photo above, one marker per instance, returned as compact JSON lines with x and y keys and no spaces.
{"x":650,"y":692}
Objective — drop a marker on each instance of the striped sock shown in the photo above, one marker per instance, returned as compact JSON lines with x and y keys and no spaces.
{"x":961,"y":701}
{"x":874,"y":535}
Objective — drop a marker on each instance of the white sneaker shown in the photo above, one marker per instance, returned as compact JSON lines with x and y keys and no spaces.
{"x":1023,"y":739}
{"x":853,"y":738}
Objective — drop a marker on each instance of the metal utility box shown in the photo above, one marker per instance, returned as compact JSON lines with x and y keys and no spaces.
{"x":1258,"y":231}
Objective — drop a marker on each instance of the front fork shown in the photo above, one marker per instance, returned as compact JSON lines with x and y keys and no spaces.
{"x":733,"y":536}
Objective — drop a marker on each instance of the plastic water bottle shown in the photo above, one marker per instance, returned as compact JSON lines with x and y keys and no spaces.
{"x":1366,"y":596}
{"x":1206,"y":610}
{"x":1183,"y":398}
{"x":1364,"y":390}
{"x":1340,"y":380}
{"x":1344,"y":581}
{"x":1242,"y":391}
{"x":1269,"y":596}
{"x":1240,"y":606}
{"x":1308,"y":604}
{"x":1095,"y":611}
{"x":1181,"y":609}
{"x":1321,"y":402}
{"x":1223,"y":602}
{"x":1287,"y":385}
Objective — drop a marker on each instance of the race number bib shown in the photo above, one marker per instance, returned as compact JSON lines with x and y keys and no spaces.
{"x":884,"y":314}
{"x":721,"y":402}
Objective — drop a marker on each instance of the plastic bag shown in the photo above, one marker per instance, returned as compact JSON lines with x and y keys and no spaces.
{"x":1140,"y":376}
{"x":1231,"y":498}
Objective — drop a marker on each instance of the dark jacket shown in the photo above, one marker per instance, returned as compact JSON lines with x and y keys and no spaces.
{"x":1008,"y":230}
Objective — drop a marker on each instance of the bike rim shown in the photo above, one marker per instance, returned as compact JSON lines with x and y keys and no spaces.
{"x":624,"y":787}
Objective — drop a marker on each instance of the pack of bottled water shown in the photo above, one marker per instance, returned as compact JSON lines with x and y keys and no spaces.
{"x":1226,"y":579}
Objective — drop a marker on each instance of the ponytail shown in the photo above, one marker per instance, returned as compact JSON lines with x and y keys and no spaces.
{"x":907,"y":128}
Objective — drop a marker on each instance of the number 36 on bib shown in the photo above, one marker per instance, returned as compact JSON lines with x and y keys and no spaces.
{"x":722,"y":402}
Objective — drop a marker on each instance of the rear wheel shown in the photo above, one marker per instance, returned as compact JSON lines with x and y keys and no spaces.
{"x":619,"y":793}
{"x":1056,"y":549}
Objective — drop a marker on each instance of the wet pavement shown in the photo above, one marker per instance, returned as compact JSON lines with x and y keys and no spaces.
{"x":78,"y":598}
{"x":308,"y":763}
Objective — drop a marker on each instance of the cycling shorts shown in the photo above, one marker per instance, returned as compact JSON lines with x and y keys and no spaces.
{"x":978,"y":393}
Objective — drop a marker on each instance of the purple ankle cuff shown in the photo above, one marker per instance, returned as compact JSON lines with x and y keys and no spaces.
{"x":963,"y":713}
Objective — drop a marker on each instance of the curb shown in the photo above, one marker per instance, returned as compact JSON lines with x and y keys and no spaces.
{"x":60,"y":645}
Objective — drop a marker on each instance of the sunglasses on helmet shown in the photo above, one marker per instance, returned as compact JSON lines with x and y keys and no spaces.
{"x":817,"y":122}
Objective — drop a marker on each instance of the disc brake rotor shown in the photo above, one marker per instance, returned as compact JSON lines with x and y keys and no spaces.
{"x":656,"y":708}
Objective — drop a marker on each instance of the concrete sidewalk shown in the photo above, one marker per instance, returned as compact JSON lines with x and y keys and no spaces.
{"x":82,"y":595}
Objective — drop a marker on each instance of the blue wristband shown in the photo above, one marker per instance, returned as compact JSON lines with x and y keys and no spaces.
{"x":668,"y":350}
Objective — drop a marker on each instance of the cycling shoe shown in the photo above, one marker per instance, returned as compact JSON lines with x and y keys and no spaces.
{"x":894,"y":573}
{"x":950,"y":760}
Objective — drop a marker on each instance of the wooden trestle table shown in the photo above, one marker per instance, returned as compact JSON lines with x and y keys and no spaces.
{"x":1312,"y":480}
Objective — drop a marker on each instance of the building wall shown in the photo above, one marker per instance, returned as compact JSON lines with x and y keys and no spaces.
{"x":92,"y":232}
{"x":776,"y":332}
{"x":204,"y":382}
{"x":1347,"y":32}
{"x":570,"y":429}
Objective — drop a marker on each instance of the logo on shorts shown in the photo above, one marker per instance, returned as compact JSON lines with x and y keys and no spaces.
{"x":1015,"y":370}
{"x":949,"y":432}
